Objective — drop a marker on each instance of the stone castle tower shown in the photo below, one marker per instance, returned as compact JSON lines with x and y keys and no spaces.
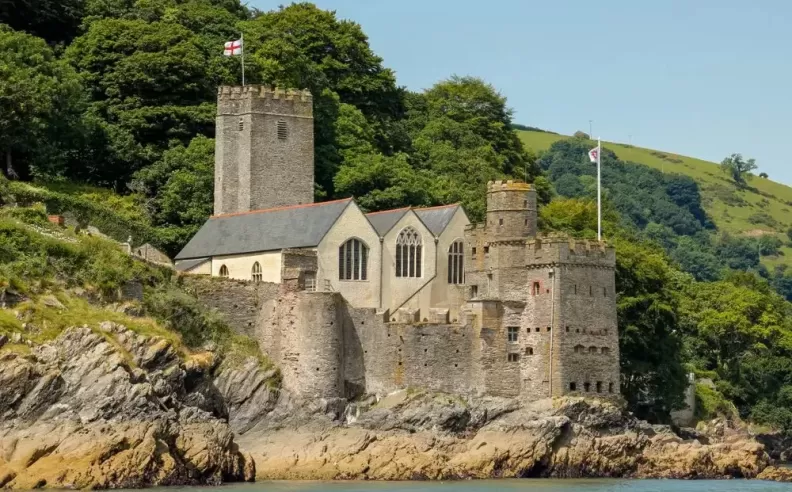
{"x":552,"y":300}
{"x":264,"y":149}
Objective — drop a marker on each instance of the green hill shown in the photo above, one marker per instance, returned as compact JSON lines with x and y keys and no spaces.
{"x":765,"y":207}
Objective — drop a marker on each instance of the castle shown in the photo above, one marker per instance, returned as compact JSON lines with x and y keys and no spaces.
{"x":348,"y":303}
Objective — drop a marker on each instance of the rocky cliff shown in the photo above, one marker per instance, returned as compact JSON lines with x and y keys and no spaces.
{"x":108,"y":408}
{"x":111,"y":408}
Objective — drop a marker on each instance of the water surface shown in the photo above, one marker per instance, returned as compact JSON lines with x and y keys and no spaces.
{"x":527,"y":485}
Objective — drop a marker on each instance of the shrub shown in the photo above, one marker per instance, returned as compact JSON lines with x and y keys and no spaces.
{"x":710,"y":403}
{"x":762,"y":218}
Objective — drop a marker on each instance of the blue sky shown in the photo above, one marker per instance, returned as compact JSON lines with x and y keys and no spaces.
{"x":704,"y":78}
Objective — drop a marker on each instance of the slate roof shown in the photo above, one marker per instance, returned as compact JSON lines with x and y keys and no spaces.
{"x":437,"y":218}
{"x":385,"y":220}
{"x":184,"y":265}
{"x":299,"y":226}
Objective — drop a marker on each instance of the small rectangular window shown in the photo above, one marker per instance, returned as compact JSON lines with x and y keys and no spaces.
{"x":310,"y":281}
{"x":599,"y":386}
{"x":572,"y":387}
{"x":514,"y":357}
{"x":500,"y":221}
{"x":474,"y":291}
{"x":514,"y":333}
{"x":486,"y":250}
{"x":473,"y":251}
{"x":537,"y":288}
{"x":282,"y":130}
{"x":610,"y":387}
{"x":605,"y":291}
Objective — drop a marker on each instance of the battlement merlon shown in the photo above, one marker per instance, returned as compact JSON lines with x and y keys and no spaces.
{"x":561,"y":249}
{"x":508,"y":185}
{"x":263,"y":99}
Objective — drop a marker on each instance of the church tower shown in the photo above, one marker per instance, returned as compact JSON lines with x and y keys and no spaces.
{"x":264,"y":149}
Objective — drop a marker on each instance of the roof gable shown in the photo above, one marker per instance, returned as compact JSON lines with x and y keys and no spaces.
{"x":385,"y":220}
{"x":437,"y":218}
{"x":299,"y":226}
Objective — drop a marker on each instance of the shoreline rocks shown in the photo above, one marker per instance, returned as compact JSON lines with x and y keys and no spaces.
{"x":111,"y":408}
{"x":104,"y":410}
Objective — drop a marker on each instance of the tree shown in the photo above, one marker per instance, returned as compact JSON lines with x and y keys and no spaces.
{"x":56,"y":21}
{"x":653,"y":378}
{"x":764,"y":175}
{"x":40,"y":102}
{"x":738,"y":169}
{"x":149,"y":86}
{"x":461,"y":133}
{"x":583,"y":135}
{"x":304,"y":47}
{"x":179,"y":190}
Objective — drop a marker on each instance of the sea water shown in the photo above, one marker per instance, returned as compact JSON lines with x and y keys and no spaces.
{"x":526,"y":485}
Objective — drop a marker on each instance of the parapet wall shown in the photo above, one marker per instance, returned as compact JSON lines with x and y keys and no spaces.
{"x":238,"y":301}
{"x":233,"y":100}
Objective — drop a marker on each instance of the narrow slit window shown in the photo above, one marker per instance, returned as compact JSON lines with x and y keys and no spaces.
{"x":455,"y":262}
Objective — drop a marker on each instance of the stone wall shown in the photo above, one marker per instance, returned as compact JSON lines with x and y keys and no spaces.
{"x":238,"y":301}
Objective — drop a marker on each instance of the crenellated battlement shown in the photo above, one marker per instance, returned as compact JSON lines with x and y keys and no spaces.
{"x":263,"y":92}
{"x":507,"y":185}
{"x":563,"y":249}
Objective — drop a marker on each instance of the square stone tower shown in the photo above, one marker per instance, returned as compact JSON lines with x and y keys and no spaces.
{"x":264,"y":149}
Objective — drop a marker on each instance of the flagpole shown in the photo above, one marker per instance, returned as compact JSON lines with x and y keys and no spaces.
{"x":599,"y":191}
{"x":242,"y":42}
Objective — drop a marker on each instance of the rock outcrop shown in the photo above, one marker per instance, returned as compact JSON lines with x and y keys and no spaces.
{"x":111,"y":408}
{"x":107,"y":408}
{"x":425,"y":436}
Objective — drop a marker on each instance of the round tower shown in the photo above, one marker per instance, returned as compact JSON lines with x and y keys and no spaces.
{"x":511,"y":209}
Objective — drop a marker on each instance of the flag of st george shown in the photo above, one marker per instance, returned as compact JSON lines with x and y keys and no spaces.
{"x":593,"y":154}
{"x":233,"y":48}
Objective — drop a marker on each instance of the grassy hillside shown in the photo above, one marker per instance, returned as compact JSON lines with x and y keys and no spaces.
{"x":764,"y":208}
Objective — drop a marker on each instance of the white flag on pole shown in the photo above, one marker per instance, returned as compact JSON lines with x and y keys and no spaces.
{"x":233,"y":48}
{"x":593,"y":154}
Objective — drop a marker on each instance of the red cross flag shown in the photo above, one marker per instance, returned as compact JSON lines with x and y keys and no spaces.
{"x":233,"y":48}
{"x":594,"y":153}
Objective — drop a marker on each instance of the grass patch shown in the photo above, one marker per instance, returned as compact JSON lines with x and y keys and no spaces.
{"x":731,"y":209}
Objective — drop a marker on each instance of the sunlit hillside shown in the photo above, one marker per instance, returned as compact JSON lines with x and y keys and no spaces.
{"x":764,"y":208}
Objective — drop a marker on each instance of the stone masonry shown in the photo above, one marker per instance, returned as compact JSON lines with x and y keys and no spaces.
{"x":264,"y":149}
{"x":539,"y":320}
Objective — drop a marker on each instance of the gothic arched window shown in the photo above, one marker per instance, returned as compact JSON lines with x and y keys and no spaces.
{"x":353,"y":260}
{"x":456,"y":262}
{"x":223,"y":271}
{"x":255,"y":273}
{"x":409,"y":250}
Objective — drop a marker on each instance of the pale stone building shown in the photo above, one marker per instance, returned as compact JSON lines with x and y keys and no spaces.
{"x":347,"y":302}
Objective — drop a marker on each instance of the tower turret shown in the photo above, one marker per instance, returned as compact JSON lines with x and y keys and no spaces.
{"x":511,"y":209}
{"x":264,"y":148}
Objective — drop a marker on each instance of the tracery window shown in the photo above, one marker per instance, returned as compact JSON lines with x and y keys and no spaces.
{"x":353,"y":260}
{"x":409,"y":250}
{"x":456,"y":263}
{"x":255,"y":272}
{"x":223,"y":271}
